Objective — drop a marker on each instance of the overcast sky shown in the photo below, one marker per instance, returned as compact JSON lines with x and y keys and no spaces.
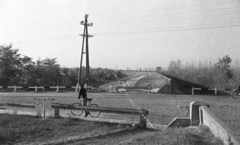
{"x":127,"y":33}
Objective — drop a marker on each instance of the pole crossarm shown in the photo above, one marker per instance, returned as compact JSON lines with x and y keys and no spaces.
{"x":86,"y":35}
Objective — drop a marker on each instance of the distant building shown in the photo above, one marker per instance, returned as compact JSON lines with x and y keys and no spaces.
{"x":158,"y":69}
{"x":64,"y":80}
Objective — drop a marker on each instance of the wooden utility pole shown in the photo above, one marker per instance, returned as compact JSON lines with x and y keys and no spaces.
{"x":85,"y":34}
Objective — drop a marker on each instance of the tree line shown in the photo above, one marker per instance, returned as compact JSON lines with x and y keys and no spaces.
{"x":18,"y":69}
{"x":221,"y":74}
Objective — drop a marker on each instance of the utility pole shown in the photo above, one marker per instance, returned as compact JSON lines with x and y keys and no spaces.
{"x":85,"y":34}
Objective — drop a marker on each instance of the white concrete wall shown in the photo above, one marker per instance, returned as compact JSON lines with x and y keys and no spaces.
{"x":218,"y":127}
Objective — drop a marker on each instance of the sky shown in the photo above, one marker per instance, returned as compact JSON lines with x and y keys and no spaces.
{"x":127,"y":33}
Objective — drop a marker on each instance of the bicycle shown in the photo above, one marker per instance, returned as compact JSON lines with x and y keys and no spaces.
{"x":235,"y":94}
{"x":80,"y":112}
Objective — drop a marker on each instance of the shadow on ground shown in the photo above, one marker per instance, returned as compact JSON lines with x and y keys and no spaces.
{"x":111,"y":138}
{"x":185,"y":87}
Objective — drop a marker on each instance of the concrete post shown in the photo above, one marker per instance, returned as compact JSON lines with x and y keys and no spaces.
{"x":38,"y":110}
{"x":43,"y":107}
{"x":143,"y":121}
{"x":194,"y":112}
{"x":56,"y":112}
{"x":192,"y":90}
{"x":36,"y":89}
{"x":215,"y":91}
{"x":14,"y":88}
{"x":57,"y":88}
{"x":171,"y":89}
{"x":77,"y":86}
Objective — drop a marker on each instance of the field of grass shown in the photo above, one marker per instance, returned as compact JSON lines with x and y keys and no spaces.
{"x":180,"y":136}
{"x":162,"y":107}
{"x":18,"y":129}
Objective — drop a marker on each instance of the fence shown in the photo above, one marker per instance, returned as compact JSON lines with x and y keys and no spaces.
{"x":214,"y":89}
{"x":36,"y":88}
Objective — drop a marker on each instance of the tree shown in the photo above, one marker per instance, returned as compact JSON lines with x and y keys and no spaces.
{"x":48,"y":72}
{"x":223,"y":66}
{"x":27,"y":72}
{"x":10,"y":62}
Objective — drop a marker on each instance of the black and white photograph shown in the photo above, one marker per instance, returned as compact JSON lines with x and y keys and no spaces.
{"x":119,"y":72}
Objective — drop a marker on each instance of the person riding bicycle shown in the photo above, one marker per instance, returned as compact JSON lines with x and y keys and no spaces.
{"x":83,"y":93}
{"x":238,"y":89}
{"x":236,"y":92}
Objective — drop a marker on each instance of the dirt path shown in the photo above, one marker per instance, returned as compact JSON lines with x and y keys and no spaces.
{"x":122,"y":137}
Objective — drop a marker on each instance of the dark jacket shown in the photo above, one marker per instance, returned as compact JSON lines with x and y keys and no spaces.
{"x":82,"y":93}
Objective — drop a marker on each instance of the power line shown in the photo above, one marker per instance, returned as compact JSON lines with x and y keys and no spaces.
{"x":203,"y":11}
{"x":65,"y":26}
{"x":18,"y":2}
{"x":189,"y":18}
{"x":130,"y":33}
{"x":162,"y":9}
{"x":141,"y":16}
{"x":126,"y":33}
{"x":39,"y":40}
{"x":41,"y":29}
{"x":170,"y":30}
{"x":149,"y":20}
{"x":142,"y":21}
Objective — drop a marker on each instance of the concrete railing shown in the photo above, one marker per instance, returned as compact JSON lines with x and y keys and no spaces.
{"x":214,"y":89}
{"x":218,"y":127}
{"x":44,"y":87}
{"x":37,"y":106}
{"x":142,"y":112}
{"x":200,"y":114}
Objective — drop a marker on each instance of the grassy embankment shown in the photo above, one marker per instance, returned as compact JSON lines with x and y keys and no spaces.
{"x":17,"y":129}
{"x":180,"y":136}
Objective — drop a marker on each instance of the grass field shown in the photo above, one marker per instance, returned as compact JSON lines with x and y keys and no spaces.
{"x":19,"y":129}
{"x":162,"y":107}
{"x":200,"y":135}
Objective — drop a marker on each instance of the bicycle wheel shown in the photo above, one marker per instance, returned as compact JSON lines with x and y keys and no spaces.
{"x":94,"y":113}
{"x":77,"y":112}
{"x":235,"y":94}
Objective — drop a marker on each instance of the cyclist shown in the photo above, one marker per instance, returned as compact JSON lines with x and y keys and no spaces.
{"x":237,"y":91}
{"x":83,"y":93}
